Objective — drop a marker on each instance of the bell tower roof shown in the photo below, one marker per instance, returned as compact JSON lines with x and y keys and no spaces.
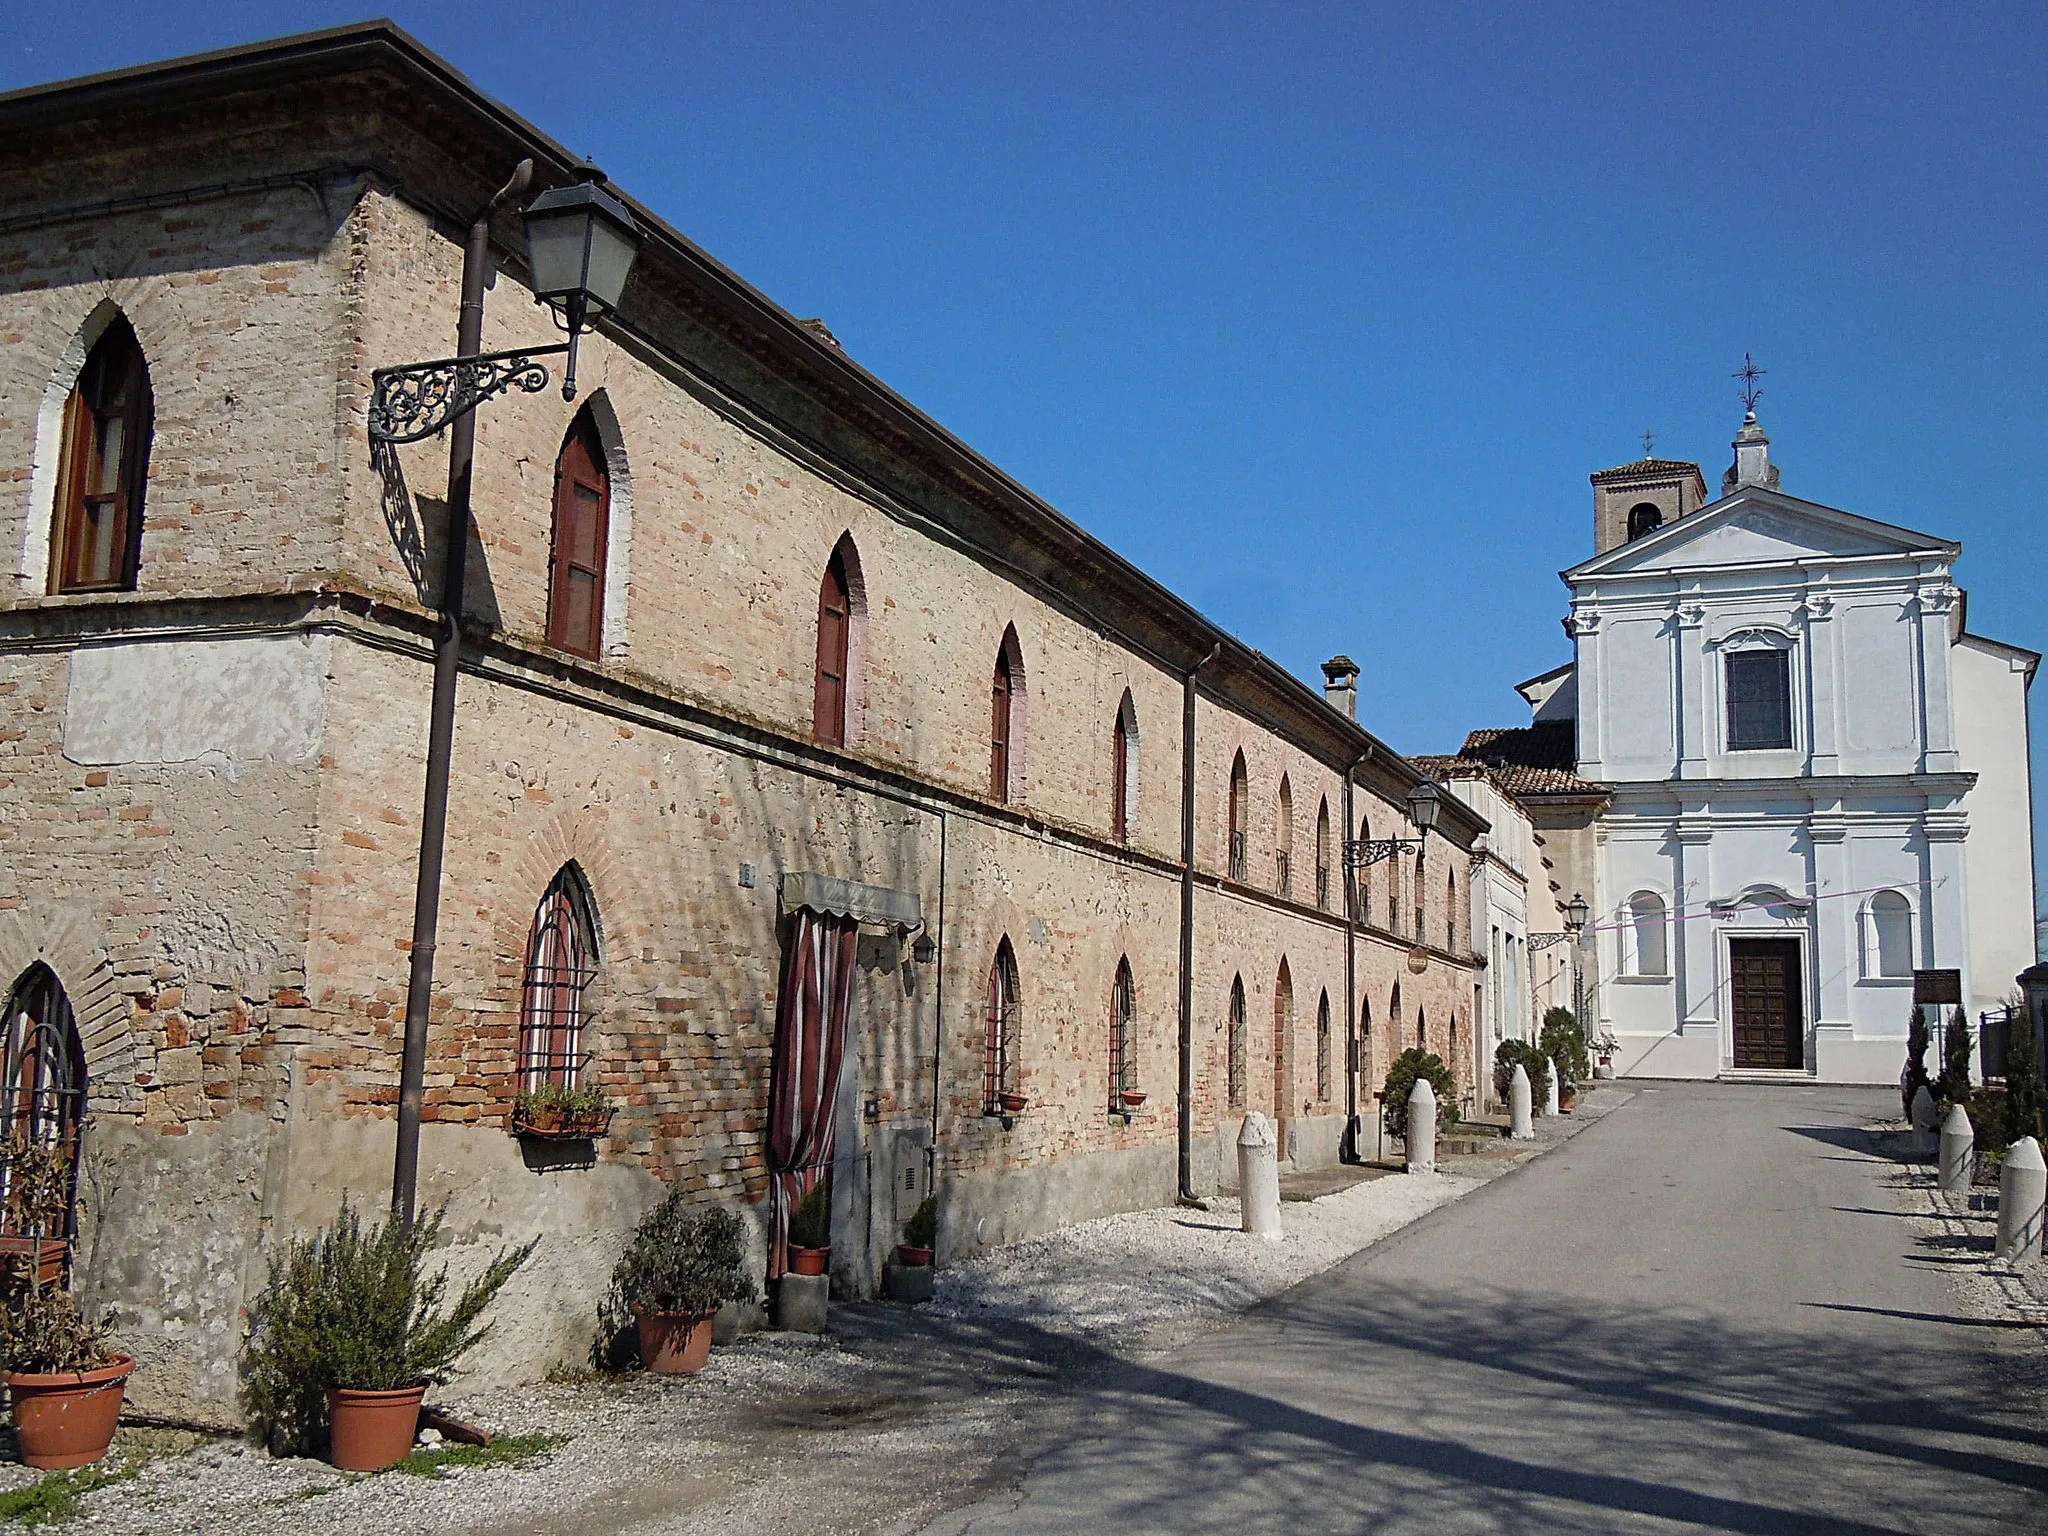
{"x":1631,"y":499}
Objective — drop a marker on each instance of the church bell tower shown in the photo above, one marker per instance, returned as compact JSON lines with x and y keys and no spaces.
{"x":1631,"y":500}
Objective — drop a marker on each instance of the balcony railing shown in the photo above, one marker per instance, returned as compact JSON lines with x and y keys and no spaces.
{"x":1284,"y":863}
{"x":1237,"y":856}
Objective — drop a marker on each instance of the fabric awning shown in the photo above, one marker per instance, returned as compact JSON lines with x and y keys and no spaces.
{"x":849,"y":898}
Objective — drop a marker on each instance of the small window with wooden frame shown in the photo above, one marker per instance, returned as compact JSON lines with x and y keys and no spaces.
{"x":561,"y":962}
{"x":104,"y":468}
{"x":999,"y":1091}
{"x":839,"y":611}
{"x":581,"y":532}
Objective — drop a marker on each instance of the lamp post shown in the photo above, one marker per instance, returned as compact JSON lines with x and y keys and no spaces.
{"x":580,"y":247}
{"x":1423,"y":801}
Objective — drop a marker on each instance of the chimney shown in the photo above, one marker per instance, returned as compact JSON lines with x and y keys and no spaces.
{"x":1340,"y":686}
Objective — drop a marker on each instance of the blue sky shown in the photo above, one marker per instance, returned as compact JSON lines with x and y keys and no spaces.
{"x":1323,"y":315}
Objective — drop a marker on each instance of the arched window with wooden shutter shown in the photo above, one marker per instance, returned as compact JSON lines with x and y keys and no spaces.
{"x":835,"y":633}
{"x":104,"y":468}
{"x":1006,"y":696}
{"x":581,"y":529}
{"x":1123,"y":770}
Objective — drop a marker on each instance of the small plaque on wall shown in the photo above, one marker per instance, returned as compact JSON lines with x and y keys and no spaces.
{"x":1937,"y":986}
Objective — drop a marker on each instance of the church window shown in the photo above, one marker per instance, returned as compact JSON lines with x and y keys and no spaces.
{"x":1759,"y":700}
{"x":1889,"y":938}
{"x":1644,"y":517}
{"x":1645,"y":935}
{"x":104,"y":467}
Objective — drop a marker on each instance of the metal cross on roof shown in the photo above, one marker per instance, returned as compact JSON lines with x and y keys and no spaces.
{"x":1649,"y":444}
{"x":1749,"y":373}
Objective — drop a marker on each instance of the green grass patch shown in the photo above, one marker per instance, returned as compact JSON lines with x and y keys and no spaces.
{"x":505,"y":1451}
{"x":54,"y":1499}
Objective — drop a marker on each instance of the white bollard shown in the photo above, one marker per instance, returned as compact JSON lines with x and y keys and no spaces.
{"x":1258,"y":1176}
{"x":1519,"y":1128}
{"x":2022,"y":1191}
{"x":1958,"y":1142}
{"x":1422,"y":1127}
{"x":1550,"y":1091}
{"x":1924,"y":1121}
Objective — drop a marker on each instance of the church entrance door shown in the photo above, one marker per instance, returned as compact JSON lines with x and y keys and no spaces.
{"x":1770,"y":1023}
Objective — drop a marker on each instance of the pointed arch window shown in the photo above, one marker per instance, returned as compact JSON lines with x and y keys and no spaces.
{"x":1323,"y":855}
{"x":582,"y":528}
{"x":1451,"y":910}
{"x":999,"y":1030}
{"x":1006,"y":692}
{"x":1123,"y":1044}
{"x":44,"y":1104}
{"x":842,"y":609}
{"x":1239,"y":793}
{"x":1123,"y":770}
{"x":104,"y":468}
{"x":1234,"y":1045}
{"x":1323,"y":1049}
{"x":561,"y":961}
{"x":1283,"y":1041}
{"x":1283,"y":851}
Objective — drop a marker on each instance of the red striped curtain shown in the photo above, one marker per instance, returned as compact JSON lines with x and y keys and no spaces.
{"x":810,"y":1038}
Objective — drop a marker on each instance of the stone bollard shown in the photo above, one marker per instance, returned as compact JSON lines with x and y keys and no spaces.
{"x":1421,"y":1127}
{"x":1550,"y":1091}
{"x":1258,"y":1176}
{"x":2022,"y":1191}
{"x":1924,"y":1121}
{"x":1519,"y":1128}
{"x":1958,"y":1142}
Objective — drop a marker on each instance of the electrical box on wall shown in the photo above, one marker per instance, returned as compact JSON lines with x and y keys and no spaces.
{"x":912,"y":1171}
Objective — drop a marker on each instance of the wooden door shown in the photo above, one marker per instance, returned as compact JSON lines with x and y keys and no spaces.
{"x":1768,"y":988}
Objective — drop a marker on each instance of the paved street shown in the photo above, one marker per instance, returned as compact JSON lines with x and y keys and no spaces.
{"x":1703,"y":1313}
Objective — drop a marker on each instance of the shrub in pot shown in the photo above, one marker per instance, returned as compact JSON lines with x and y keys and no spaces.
{"x":350,"y":1331}
{"x":1534,"y":1063}
{"x":553,"y":1111}
{"x":1410,"y":1064}
{"x":810,"y":1232}
{"x":64,"y":1387}
{"x":679,"y":1269}
{"x":920,"y":1234}
{"x":1564,"y":1042}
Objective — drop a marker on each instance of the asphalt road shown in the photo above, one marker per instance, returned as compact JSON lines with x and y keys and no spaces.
{"x":1702,"y":1313}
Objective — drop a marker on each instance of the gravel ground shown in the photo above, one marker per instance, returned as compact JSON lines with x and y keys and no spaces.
{"x":900,"y":1415}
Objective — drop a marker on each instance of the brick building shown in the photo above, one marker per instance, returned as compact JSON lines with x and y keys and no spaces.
{"x":215,"y":656}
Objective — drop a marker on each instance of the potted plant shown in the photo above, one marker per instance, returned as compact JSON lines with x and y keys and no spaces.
{"x":553,"y":1112}
{"x":920,"y":1235}
{"x":64,"y":1387}
{"x":1603,"y":1054}
{"x":679,"y":1269}
{"x":1564,"y":1041}
{"x":810,"y":1232}
{"x":350,"y":1331}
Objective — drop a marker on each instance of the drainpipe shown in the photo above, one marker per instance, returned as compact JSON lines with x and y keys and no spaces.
{"x":1187,"y":927}
{"x":938,"y":1011}
{"x":426,"y":901}
{"x":1347,"y":1149}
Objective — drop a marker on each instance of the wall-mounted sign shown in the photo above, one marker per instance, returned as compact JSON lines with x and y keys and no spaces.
{"x":1418,"y":959}
{"x":1937,"y":986}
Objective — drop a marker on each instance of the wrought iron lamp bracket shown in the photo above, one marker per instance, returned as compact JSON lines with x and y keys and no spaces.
{"x":1363,"y":852}
{"x":1542,"y":941}
{"x":416,"y":400}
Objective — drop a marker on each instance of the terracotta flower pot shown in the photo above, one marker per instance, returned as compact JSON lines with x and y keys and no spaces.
{"x":372,"y":1430}
{"x":674,"y":1343}
{"x":913,"y":1258}
{"x":808,"y":1261}
{"x":67,"y":1418}
{"x":1133,"y":1097}
{"x":1013,"y":1103}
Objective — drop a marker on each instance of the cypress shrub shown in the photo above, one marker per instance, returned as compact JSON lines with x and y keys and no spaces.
{"x":1534,"y":1062}
{"x":2022,"y":1077}
{"x":1410,"y":1064}
{"x":1914,"y":1077}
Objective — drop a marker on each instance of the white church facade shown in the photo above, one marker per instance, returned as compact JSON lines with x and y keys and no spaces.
{"x":1818,"y":777}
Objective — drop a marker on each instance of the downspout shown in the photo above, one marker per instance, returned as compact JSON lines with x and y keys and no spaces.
{"x":938,"y":1012}
{"x":1187,"y":928}
{"x":1347,"y":1149}
{"x":426,"y":900}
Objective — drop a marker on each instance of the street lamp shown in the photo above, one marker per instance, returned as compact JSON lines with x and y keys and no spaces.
{"x":1423,"y":802}
{"x":580,"y":245}
{"x":1575,"y":914}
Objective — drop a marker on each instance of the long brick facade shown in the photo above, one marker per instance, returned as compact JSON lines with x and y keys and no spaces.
{"x":210,"y":785}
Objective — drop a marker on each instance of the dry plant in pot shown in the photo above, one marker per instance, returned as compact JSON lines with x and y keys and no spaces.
{"x":920,"y":1234}
{"x":350,"y":1331}
{"x":810,"y":1232}
{"x":64,"y":1387}
{"x":673,"y":1277}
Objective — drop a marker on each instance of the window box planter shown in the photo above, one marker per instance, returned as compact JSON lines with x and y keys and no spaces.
{"x":48,"y":1253}
{"x":554,"y":1122}
{"x":1132,"y":1098}
{"x":1012,"y":1103}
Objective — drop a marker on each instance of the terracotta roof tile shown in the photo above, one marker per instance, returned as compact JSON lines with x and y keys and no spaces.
{"x":1650,"y":467}
{"x":1526,"y":760}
